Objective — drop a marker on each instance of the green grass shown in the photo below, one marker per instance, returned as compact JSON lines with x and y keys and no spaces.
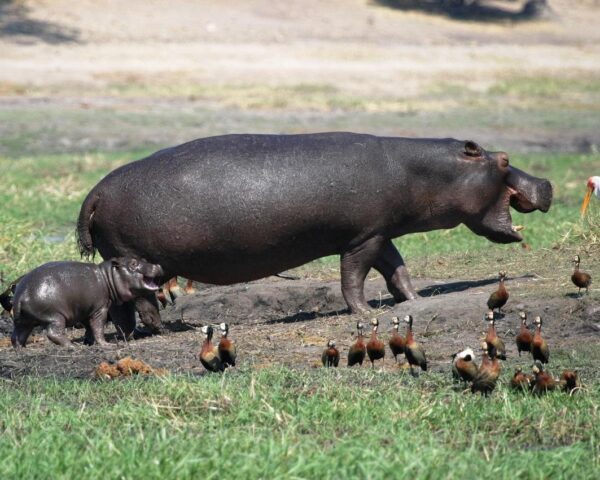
{"x":278,"y":423}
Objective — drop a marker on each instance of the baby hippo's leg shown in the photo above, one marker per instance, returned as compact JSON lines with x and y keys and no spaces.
{"x":56,"y":331}
{"x":97,"y":323}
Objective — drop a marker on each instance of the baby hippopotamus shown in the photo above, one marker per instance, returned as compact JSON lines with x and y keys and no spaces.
{"x":63,"y":294}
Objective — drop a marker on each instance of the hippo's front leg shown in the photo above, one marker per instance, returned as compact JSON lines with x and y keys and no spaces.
{"x":391,"y":265}
{"x":147,"y":307}
{"x":355,"y":266}
{"x":97,"y":322}
{"x":123,"y":317}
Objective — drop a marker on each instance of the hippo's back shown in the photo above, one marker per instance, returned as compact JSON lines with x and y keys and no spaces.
{"x":255,"y":204}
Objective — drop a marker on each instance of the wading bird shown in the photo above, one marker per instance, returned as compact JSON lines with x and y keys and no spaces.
{"x":593,"y":188}
{"x":330,"y":356}
{"x":579,"y":278}
{"x":358,"y":350}
{"x":415,"y":353}
{"x":227,"y":350}
{"x":209,"y":355}
{"x":499,"y":298}
{"x":397,"y":342}
{"x":524,"y":337}
{"x":375,"y":347}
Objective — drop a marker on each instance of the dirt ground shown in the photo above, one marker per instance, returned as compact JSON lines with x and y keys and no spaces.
{"x":288,"y":322}
{"x":61,"y":61}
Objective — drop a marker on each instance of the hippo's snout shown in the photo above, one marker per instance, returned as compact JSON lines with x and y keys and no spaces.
{"x":544,"y":196}
{"x":530,"y":193}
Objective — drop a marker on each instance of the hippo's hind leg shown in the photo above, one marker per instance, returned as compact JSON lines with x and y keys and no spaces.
{"x":147,"y":307}
{"x":391,"y":265}
{"x":355,"y":266}
{"x":20,"y":334}
{"x":123,"y":316}
{"x":55,"y":331}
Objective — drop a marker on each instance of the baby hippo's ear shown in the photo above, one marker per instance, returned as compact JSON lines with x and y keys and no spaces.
{"x":117,"y":262}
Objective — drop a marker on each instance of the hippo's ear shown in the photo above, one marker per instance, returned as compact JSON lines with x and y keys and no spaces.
{"x":472,"y":149}
{"x":117,"y":262}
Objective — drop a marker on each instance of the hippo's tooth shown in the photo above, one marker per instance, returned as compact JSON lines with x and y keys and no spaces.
{"x":517,"y":228}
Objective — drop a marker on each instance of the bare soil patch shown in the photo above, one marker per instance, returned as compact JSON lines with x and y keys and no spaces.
{"x":289,"y":322}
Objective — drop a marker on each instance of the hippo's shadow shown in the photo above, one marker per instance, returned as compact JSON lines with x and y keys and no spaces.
{"x":305,"y":316}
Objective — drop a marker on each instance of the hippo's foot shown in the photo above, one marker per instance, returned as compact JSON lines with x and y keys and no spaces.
{"x":19,"y":336}
{"x":391,"y":265}
{"x":147,"y":308}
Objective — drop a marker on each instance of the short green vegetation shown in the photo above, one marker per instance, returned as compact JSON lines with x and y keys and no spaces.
{"x":281,"y":423}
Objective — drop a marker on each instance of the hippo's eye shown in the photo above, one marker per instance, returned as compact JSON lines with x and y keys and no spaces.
{"x":472,"y":149}
{"x":133,"y":263}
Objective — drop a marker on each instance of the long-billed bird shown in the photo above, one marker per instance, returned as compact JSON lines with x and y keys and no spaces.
{"x":593,"y":188}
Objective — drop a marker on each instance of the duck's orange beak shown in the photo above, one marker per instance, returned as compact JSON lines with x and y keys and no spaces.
{"x":586,"y":200}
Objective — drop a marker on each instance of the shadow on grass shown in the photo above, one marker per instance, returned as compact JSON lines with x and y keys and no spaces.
{"x":16,"y":22}
{"x":472,"y":10}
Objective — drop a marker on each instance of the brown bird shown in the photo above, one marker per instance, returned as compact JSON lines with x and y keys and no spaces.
{"x":375,"y":347}
{"x":499,"y":298}
{"x":521,"y":381}
{"x":495,"y":344}
{"x":415,"y":354}
{"x":463,"y":365}
{"x":579,"y":278}
{"x":539,"y":347}
{"x":331,"y":355}
{"x":543,"y":380}
{"x":488,"y":373}
{"x":358,"y":350}
{"x":569,"y":381}
{"x":209,"y":355}
{"x":227,"y":350}
{"x":189,"y":287}
{"x":524,"y":337}
{"x":397,"y":342}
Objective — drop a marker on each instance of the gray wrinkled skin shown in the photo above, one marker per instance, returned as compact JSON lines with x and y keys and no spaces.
{"x":236,"y":208}
{"x":62,"y":294}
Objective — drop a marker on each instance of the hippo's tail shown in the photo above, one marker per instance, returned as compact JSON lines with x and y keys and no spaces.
{"x":84,"y":226}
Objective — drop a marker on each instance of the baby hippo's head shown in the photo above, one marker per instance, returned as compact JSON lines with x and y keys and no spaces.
{"x":132,"y":278}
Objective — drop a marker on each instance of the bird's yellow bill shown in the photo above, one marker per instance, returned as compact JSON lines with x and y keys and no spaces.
{"x":586,"y":201}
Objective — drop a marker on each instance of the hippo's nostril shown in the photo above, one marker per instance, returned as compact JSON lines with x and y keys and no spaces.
{"x":503,"y":160}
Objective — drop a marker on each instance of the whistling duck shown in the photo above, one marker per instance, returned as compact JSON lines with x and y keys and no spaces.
{"x":463,"y":365}
{"x":520,"y":381}
{"x":209,"y":355}
{"x":173,"y":288}
{"x":227,"y":350}
{"x":397,"y":342}
{"x":189,"y":287}
{"x":524,"y":337}
{"x":358,"y":350}
{"x":495,"y":344}
{"x":331,"y":355}
{"x":539,"y":347}
{"x":569,"y":381}
{"x":579,"y":278}
{"x":499,"y":298}
{"x":161,"y":296}
{"x":375,"y":347}
{"x":415,"y":354}
{"x":593,"y":187}
{"x":488,"y":373}
{"x":543,"y":380}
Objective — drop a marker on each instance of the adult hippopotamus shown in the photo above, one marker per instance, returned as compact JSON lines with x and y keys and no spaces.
{"x":62,"y":294}
{"x":236,"y":208}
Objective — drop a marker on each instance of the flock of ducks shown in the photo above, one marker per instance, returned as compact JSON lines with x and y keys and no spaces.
{"x":482,"y":378}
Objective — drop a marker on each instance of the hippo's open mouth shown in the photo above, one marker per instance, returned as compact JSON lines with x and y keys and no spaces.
{"x":149,"y":283}
{"x":521,"y":192}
